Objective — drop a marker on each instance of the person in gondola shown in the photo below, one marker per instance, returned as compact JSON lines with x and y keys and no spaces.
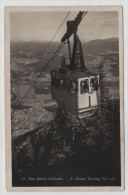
{"x":61,"y":83}
{"x":69,"y":85}
{"x":57,"y":82}
{"x":96,"y":83}
{"x":86,"y":86}
{"x":76,"y":87}
{"x":91,"y":85}
{"x":53,"y":79}
{"x":64,"y":83}
{"x":82,"y":87}
{"x":73,"y":87}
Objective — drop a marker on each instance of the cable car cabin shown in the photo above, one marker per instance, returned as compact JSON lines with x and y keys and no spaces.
{"x":74,"y":88}
{"x":76,"y":92}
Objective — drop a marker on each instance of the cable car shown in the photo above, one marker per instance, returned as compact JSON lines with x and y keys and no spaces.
{"x":73,"y":86}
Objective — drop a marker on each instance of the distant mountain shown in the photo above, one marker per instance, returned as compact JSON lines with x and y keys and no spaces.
{"x":21,"y":51}
{"x":100,"y":46}
{"x":97,"y":46}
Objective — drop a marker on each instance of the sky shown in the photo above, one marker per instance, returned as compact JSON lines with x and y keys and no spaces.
{"x":41,"y":26}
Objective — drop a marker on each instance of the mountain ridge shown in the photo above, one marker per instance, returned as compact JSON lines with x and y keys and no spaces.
{"x":97,"y":46}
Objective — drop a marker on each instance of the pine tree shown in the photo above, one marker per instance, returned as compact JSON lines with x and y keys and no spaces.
{"x":104,"y":113}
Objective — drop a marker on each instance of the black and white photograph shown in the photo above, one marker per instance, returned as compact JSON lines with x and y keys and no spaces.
{"x":65,"y":98}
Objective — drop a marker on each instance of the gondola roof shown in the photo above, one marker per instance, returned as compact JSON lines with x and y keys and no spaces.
{"x":78,"y":75}
{"x":74,"y":73}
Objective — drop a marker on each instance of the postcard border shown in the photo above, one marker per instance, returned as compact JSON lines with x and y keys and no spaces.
{"x":7,"y":95}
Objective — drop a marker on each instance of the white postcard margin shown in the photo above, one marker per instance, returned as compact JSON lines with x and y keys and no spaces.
{"x":7,"y":95}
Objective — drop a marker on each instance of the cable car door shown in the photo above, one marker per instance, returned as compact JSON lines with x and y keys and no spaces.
{"x":84,"y":99}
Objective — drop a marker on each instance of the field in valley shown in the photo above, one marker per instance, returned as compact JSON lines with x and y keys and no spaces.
{"x":43,"y":142}
{"x":26,"y":63}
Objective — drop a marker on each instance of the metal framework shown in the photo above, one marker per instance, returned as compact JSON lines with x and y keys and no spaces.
{"x":77,"y":58}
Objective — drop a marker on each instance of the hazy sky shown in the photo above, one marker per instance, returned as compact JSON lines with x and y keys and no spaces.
{"x":41,"y":26}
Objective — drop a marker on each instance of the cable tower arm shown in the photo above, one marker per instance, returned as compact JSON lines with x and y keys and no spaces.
{"x":72,"y":25}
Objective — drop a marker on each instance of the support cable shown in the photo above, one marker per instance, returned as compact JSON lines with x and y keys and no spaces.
{"x":34,"y":83}
{"x":44,"y":51}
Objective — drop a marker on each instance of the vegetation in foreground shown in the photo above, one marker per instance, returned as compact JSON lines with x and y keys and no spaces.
{"x":71,"y":147}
